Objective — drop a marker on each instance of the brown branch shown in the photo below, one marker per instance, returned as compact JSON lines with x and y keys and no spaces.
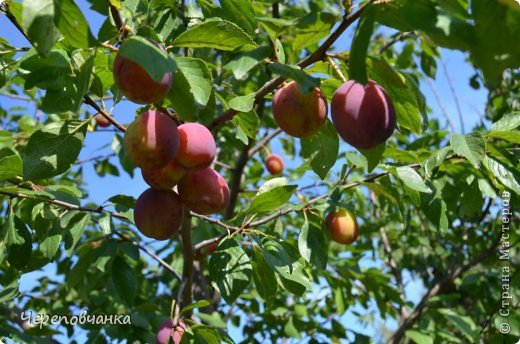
{"x":117,"y":19}
{"x":264,"y":141}
{"x":89,"y":101}
{"x":409,"y":321}
{"x":237,"y":178}
{"x":317,"y":55}
{"x":188,"y":253}
{"x":95,"y":158}
{"x":399,"y":37}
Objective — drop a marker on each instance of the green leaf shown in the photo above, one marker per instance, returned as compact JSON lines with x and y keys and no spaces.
{"x":198,"y":304}
{"x":39,"y":25}
{"x":312,"y":242}
{"x":264,"y":277}
{"x":104,"y":254}
{"x":321,"y":150}
{"x":312,"y":28}
{"x":142,"y":51}
{"x":435,"y":160}
{"x":502,"y":173}
{"x":373,"y":156}
{"x":199,"y":78}
{"x":10,"y":164}
{"x":125,"y":281}
{"x":242,"y":64}
{"x":230,"y":269}
{"x":471,"y":146}
{"x":512,"y":136}
{"x":217,"y":34}
{"x":471,"y":201}
{"x":510,"y":121}
{"x":248,"y":122}
{"x":358,"y":52}
{"x":240,"y":12}
{"x":53,"y":149}
{"x":75,"y":230}
{"x":412,"y":179}
{"x":464,"y":323}
{"x":418,"y":337}
{"x":283,"y":258}
{"x":402,"y":93}
{"x":50,"y":245}
{"x":19,"y":250}
{"x":305,"y":82}
{"x":9,"y":292}
{"x":243,"y":103}
{"x":272,"y":199}
{"x":72,"y":24}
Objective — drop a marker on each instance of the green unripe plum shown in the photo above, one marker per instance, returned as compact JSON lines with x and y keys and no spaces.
{"x":166,"y":177}
{"x":158,"y":213}
{"x":343,"y":226}
{"x":168,"y":334}
{"x":297,"y":114}
{"x":363,"y":115}
{"x":197,"y":146}
{"x":204,"y":191}
{"x":274,"y":164}
{"x":136,"y":84}
{"x":152,"y":140}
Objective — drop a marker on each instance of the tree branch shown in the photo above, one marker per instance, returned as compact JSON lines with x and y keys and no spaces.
{"x":318,"y":55}
{"x":409,"y":321}
{"x":89,"y":101}
{"x":188,"y":253}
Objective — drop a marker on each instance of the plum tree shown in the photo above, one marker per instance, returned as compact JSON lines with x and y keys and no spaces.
{"x":166,"y":177}
{"x":204,"y":191}
{"x":363,"y":115}
{"x":101,"y":120}
{"x":135,"y":83}
{"x":158,"y":213}
{"x":342,"y":225}
{"x":298,"y":114}
{"x":168,"y":333}
{"x":274,"y":163}
{"x":152,"y":140}
{"x":197,"y":146}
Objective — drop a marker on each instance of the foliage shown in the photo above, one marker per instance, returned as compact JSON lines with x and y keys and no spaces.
{"x":430,"y":204}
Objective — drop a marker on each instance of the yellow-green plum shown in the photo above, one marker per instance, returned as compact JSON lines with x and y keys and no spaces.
{"x":343,"y":226}
{"x":298,"y":114}
{"x":152,"y":140}
{"x":158,"y":213}
{"x":204,"y":191}
{"x":136,"y":84}
{"x":168,"y":333}
{"x":274,"y":164}
{"x":166,"y":177}
{"x":363,"y":115}
{"x":197,"y":146}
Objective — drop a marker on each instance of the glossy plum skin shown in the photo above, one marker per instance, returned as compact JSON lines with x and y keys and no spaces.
{"x":274,"y":164}
{"x":152,"y":140}
{"x":343,"y":226}
{"x":158,"y":213}
{"x":102,"y":121}
{"x":363,"y":115}
{"x":299,"y":115}
{"x":166,"y":177}
{"x":204,"y":191}
{"x":135,"y":83}
{"x":166,"y":333}
{"x":197,"y":147}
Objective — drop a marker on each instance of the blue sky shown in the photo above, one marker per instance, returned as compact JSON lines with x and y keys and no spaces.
{"x":471,"y":107}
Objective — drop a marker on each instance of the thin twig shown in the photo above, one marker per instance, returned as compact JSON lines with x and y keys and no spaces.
{"x":454,"y":94}
{"x":441,"y":105}
{"x":188,"y":254}
{"x":151,"y":254}
{"x":264,"y":141}
{"x":111,"y":119}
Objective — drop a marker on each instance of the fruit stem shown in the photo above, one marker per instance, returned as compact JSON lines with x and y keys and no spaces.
{"x":336,"y":68}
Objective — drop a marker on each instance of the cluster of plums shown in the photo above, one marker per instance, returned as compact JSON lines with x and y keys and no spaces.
{"x":363,"y":115}
{"x":168,"y":155}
